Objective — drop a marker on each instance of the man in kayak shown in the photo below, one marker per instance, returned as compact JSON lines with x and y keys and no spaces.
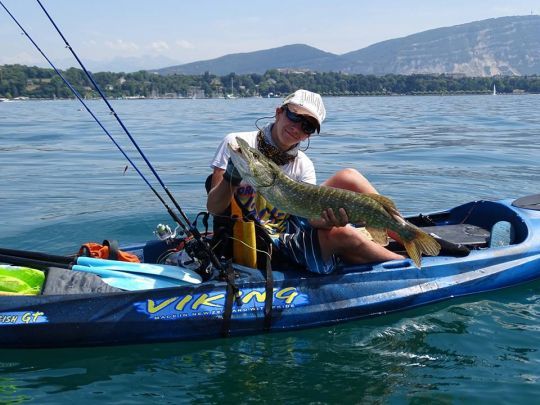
{"x":319,"y":244}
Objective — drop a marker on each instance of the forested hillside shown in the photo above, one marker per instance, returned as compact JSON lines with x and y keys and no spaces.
{"x":34,"y":82}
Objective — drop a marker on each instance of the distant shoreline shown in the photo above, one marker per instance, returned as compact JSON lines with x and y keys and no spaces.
{"x":20,"y":82}
{"x":281,"y":96}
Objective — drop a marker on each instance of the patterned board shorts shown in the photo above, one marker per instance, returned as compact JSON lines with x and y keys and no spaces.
{"x":301,"y":245}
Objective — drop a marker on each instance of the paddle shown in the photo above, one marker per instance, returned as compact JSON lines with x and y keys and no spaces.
{"x":147,"y":278}
{"x":128,"y":281}
{"x":31,"y":262}
{"x":38,"y":256}
{"x":22,"y":257}
{"x":162,"y":270}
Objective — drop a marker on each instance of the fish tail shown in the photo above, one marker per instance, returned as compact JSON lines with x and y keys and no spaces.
{"x":421,"y":243}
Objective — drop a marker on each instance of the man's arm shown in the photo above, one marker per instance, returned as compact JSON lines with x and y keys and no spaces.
{"x":220,"y":194}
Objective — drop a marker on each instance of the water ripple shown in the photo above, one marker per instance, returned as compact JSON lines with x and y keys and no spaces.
{"x":67,"y":185}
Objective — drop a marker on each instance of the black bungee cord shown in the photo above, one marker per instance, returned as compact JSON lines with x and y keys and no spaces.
{"x":189,"y":230}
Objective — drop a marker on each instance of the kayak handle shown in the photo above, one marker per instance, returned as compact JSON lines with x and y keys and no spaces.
{"x":397,"y":264}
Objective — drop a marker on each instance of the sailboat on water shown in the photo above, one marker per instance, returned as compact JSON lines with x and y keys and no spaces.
{"x":494,"y":90}
{"x":231,"y":94}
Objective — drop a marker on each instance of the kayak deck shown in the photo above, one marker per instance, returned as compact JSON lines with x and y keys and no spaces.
{"x":96,"y":314}
{"x":465,"y":228}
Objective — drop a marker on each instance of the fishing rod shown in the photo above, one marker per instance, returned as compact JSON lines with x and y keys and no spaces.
{"x":189,"y":230}
{"x":113,"y":112}
{"x":78,"y":96}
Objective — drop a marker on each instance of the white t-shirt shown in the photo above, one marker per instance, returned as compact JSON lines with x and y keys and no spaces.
{"x":300,"y":169}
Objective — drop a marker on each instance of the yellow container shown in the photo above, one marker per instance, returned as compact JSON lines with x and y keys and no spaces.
{"x":244,"y":243}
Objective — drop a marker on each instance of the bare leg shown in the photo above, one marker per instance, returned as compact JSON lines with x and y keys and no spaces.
{"x":352,"y":246}
{"x":346,"y":242}
{"x":350,"y":179}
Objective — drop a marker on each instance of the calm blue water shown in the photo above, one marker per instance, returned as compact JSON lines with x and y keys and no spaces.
{"x":63,"y":183}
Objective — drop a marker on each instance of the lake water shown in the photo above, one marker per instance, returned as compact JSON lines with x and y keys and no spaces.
{"x":65,"y":183}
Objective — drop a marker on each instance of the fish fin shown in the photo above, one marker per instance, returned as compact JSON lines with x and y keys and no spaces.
{"x":378,"y":235}
{"x":413,"y":253}
{"x":364,"y":231}
{"x":387,"y":203}
{"x":421,"y":243}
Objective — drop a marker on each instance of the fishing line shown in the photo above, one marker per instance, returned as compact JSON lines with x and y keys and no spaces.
{"x":189,"y":231}
{"x":77,"y":94}
{"x":120,"y":122}
{"x":307,"y":146}
{"x":262,"y":118}
{"x":274,"y":116}
{"x":251,"y":247}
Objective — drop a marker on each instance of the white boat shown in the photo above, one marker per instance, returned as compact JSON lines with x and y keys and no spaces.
{"x":494,"y":90}
{"x":231,"y":95}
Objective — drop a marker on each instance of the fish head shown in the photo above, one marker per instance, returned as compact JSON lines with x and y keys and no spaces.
{"x":255,"y":168}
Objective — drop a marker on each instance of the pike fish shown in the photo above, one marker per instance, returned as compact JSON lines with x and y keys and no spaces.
{"x":376,"y":212}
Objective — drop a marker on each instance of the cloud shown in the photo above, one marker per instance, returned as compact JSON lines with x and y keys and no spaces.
{"x":121,"y":45}
{"x":184,"y":44}
{"x":134,"y":48}
{"x":159,"y":46}
{"x":24,"y":58}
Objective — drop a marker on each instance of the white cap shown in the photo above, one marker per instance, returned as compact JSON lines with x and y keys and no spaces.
{"x":305,"y":102}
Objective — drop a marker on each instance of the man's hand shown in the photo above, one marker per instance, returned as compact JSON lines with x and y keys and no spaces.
{"x":341,"y":219}
{"x":329,"y":219}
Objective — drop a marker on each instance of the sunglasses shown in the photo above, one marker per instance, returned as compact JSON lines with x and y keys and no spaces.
{"x":307,"y":126}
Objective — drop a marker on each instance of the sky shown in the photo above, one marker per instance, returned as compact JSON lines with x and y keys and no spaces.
{"x":168,"y":32}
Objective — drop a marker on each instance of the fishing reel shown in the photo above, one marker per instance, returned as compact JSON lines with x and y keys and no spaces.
{"x":195,"y":257}
{"x":165,"y":233}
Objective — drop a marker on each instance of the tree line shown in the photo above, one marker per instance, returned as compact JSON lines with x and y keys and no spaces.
{"x":40,"y":83}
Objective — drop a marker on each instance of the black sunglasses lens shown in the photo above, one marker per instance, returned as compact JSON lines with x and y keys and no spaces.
{"x":307,"y":126}
{"x":293,"y":116}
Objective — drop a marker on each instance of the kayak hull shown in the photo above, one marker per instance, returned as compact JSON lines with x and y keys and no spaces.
{"x":299,"y":300}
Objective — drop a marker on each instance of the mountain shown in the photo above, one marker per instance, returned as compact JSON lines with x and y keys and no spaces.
{"x":506,"y":46}
{"x":498,"y":46}
{"x":295,"y":56}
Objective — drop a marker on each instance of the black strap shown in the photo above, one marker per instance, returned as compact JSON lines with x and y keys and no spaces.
{"x":452,"y":249}
{"x":269,"y":292}
{"x":113,"y":248}
{"x":85,"y":251}
{"x":232,"y":292}
{"x":205,"y":215}
{"x":264,"y":240}
{"x":223,"y":234}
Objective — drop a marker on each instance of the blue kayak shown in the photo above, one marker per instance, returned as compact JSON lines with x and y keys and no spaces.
{"x":489,"y":245}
